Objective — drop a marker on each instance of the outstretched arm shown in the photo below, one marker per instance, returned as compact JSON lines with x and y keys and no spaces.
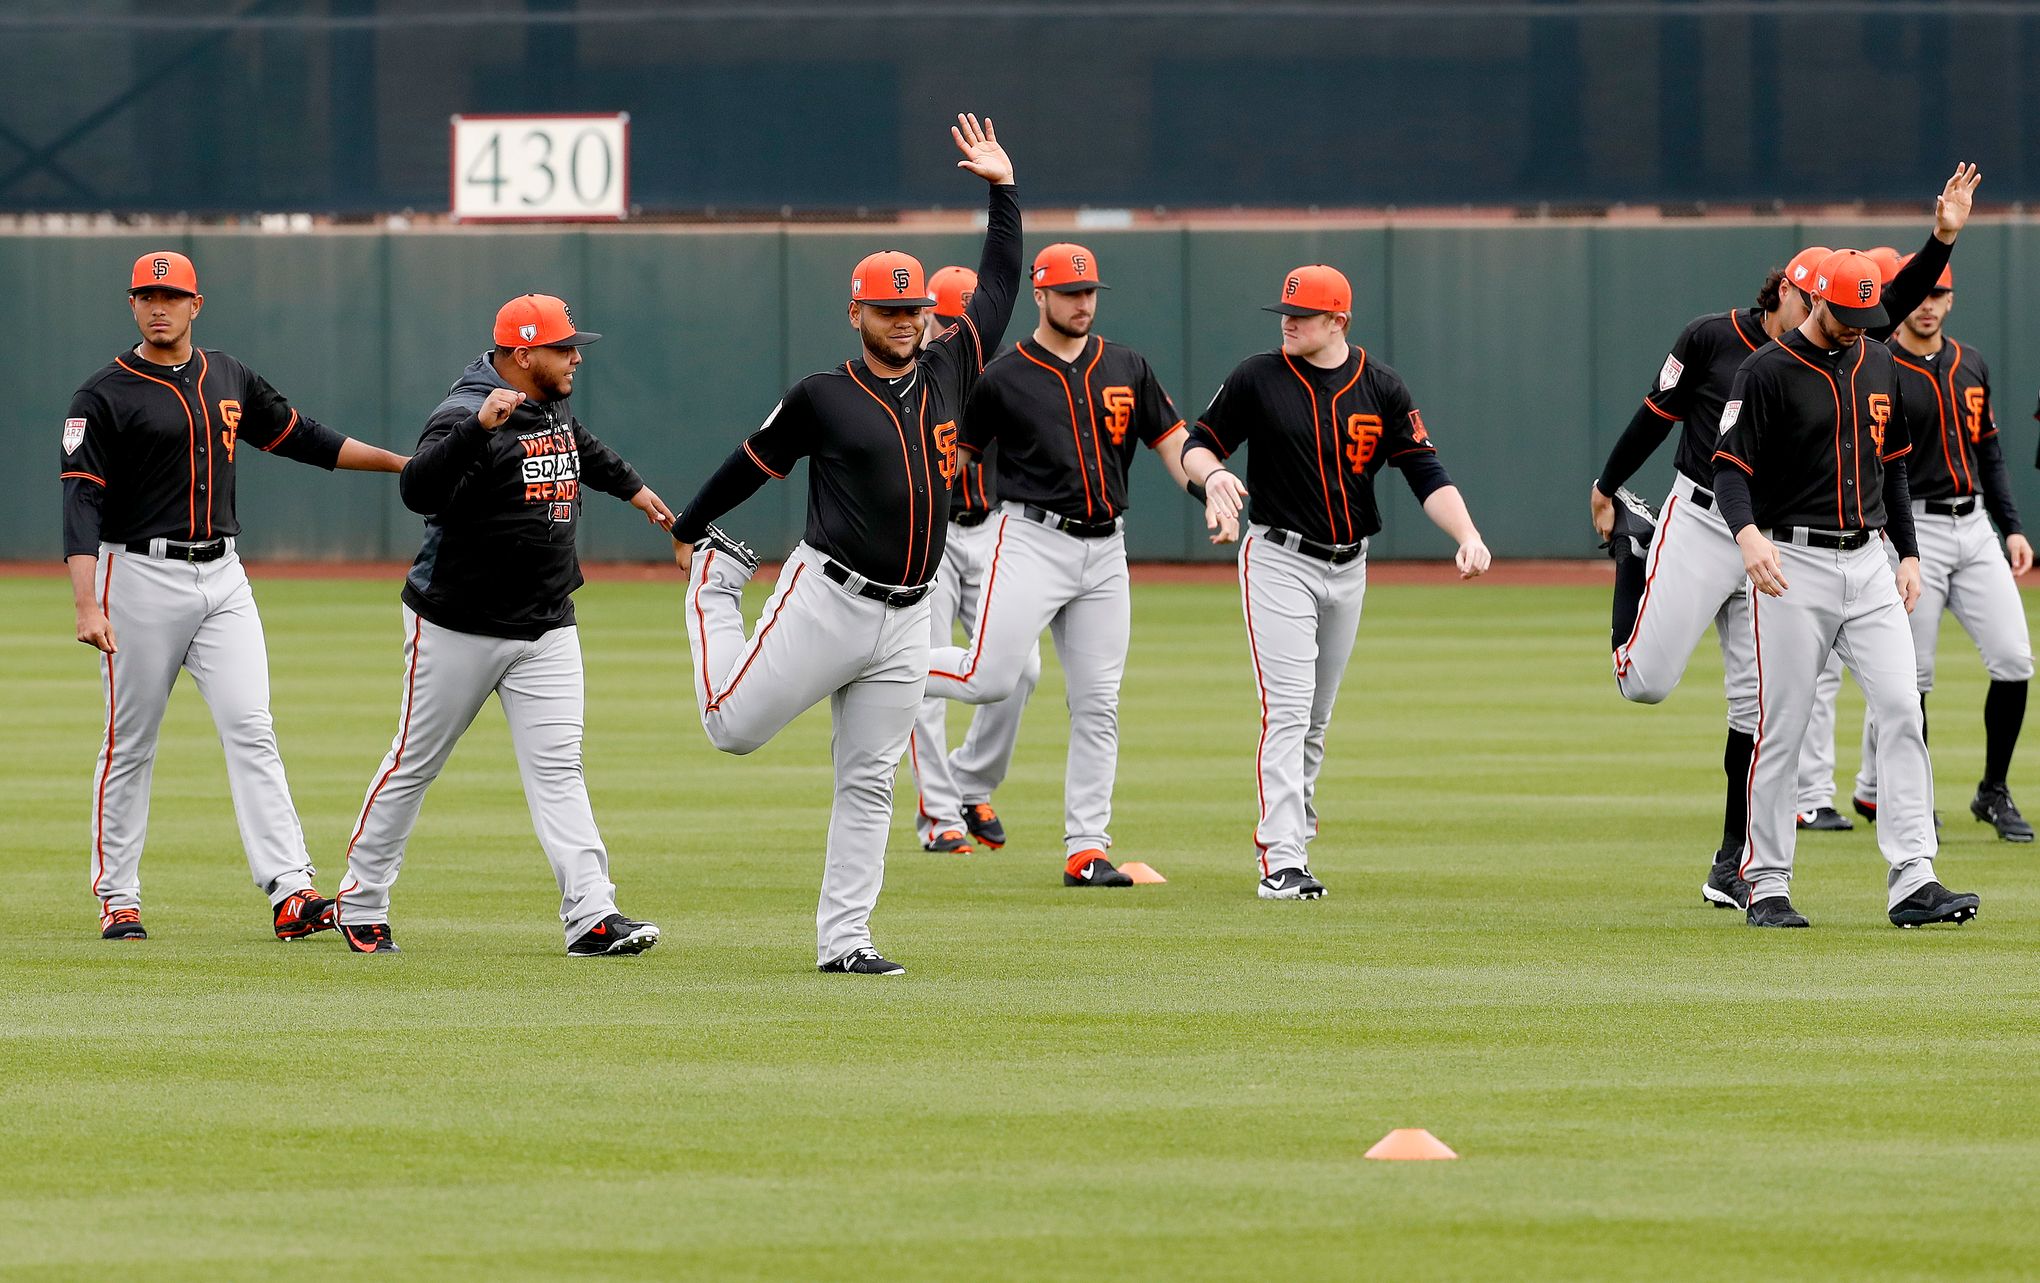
{"x":1917,"y":278}
{"x":991,"y":307}
{"x":360,"y":456}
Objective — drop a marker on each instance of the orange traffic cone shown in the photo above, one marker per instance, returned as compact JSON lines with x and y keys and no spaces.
{"x":1410,"y":1143}
{"x":1141,"y":873}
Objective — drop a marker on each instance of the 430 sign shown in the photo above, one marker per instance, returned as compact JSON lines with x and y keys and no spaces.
{"x":541,"y":168}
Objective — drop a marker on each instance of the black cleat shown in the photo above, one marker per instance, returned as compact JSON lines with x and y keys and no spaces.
{"x":863,"y":962}
{"x":1775,"y":911}
{"x":1725,"y":888}
{"x":949,"y":842}
{"x":369,"y":937}
{"x":614,"y":936}
{"x":123,"y":924}
{"x":1291,"y":884}
{"x":1635,"y":526}
{"x":1097,"y":871}
{"x":983,"y":823}
{"x":1868,"y":810}
{"x":302,"y":913}
{"x":735,"y":549}
{"x":1994,"y":806}
{"x":1825,"y":819}
{"x":1934,"y":903}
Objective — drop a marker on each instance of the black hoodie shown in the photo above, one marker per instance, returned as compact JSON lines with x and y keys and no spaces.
{"x":500,"y":511}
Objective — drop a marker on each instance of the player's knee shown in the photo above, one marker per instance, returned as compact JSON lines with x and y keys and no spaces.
{"x":1894,"y":706}
{"x":1640,"y":687}
{"x":2016,"y":666}
{"x":249,"y":728}
{"x":731,"y":739}
{"x":1030,"y":675}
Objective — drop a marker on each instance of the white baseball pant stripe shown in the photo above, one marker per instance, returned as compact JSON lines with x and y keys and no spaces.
{"x":200,"y":617}
{"x":1846,"y":603}
{"x":1078,"y":590}
{"x":946,"y":781}
{"x":1693,"y":576}
{"x":448,"y":676}
{"x":1303,"y":615}
{"x":816,"y":639}
{"x":1962,"y":570}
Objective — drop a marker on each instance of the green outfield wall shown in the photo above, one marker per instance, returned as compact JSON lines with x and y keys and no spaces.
{"x":1527,"y":348}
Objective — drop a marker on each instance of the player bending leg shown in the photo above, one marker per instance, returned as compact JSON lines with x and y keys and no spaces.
{"x":1323,"y":419}
{"x":848,"y":621}
{"x":488,"y":608}
{"x":149,"y":534}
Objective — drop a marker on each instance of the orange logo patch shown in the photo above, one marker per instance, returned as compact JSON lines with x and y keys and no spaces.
{"x":1973,"y":404}
{"x":945,"y":441}
{"x":1417,"y":432}
{"x":1118,"y":411}
{"x":230,"y":430}
{"x":1363,"y":434}
{"x":1880,"y":416}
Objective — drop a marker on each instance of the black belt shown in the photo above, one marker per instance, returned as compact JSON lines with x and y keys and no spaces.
{"x":1069,"y":525}
{"x":890,"y":594}
{"x":1951,"y":507}
{"x":210,"y":550}
{"x":969,"y":516}
{"x":1336,"y":553}
{"x":1844,"y":540}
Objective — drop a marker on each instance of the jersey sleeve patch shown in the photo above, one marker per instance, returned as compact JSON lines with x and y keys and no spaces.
{"x":1729,"y":414}
{"x":74,"y":435}
{"x":1668,"y":377}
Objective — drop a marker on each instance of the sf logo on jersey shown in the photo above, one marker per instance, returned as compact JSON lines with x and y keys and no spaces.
{"x":1973,"y":400}
{"x":1118,"y":401}
{"x":945,"y":442}
{"x":1363,"y":434}
{"x":1880,"y":415}
{"x":230,"y":426}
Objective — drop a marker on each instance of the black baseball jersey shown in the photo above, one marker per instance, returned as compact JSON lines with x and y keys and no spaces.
{"x":882,"y":452}
{"x":976,"y":488}
{"x":1947,"y":411}
{"x":501,"y":509}
{"x":1694,"y":383}
{"x":148,"y":450}
{"x":1813,"y":429}
{"x":1320,"y":437}
{"x":1066,"y":429}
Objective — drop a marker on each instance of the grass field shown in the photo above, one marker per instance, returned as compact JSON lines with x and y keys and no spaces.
{"x":1173,"y":1082}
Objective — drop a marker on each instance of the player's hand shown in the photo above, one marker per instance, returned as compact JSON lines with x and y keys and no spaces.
{"x":2021,"y":553}
{"x":653,"y":507}
{"x":1223,"y":497}
{"x":1909,"y":582}
{"x":95,"y":629}
{"x":1603,"y":509}
{"x":496,"y":410}
{"x":1951,"y":207}
{"x":982,"y":154}
{"x":683,"y":555}
{"x":1473,"y":559}
{"x":1760,"y":560}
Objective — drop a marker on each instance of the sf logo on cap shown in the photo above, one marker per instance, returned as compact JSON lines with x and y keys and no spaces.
{"x":160,"y":266}
{"x":901,"y":278}
{"x":1863,"y":291}
{"x":1079,"y":264}
{"x":1289,"y":286}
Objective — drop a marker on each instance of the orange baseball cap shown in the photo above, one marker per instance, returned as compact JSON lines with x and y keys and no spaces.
{"x":952,"y":288}
{"x":1803,"y":265}
{"x":1066,"y":269}
{"x":164,"y":270}
{"x":538,"y":320}
{"x":890,"y":278}
{"x":1886,"y":259}
{"x":1941,"y":286}
{"x":1853,"y":288}
{"x":1313,"y":289}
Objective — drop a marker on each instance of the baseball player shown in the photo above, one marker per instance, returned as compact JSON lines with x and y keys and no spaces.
{"x":1954,"y":481}
{"x":149,"y":534}
{"x":1810,"y":468}
{"x":1324,"y":419}
{"x":849,"y":619}
{"x":1066,"y":408}
{"x":1693,"y":571}
{"x":488,"y":607}
{"x":954,"y":790}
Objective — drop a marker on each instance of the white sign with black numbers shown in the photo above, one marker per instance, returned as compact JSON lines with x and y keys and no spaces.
{"x":541,"y":168}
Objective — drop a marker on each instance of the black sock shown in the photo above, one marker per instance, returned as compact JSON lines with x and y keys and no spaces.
{"x":1629,"y":579}
{"x":1735,"y":813}
{"x":2004,"y":711}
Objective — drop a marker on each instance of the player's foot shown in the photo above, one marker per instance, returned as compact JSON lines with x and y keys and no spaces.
{"x":1868,"y":810}
{"x":614,"y":935}
{"x":1825,"y":819}
{"x":1775,"y":911}
{"x":949,"y":842}
{"x":301,"y":913}
{"x":735,"y":549}
{"x":1092,"y":869}
{"x":1994,"y":806}
{"x":368,"y":937}
{"x":1291,"y":884}
{"x":863,"y":962}
{"x":983,"y":823}
{"x":123,"y":924}
{"x":1635,"y":526}
{"x":1934,"y":903}
{"x":1725,"y":888}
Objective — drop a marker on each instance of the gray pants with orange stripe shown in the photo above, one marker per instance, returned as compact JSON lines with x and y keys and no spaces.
{"x":448,"y":676}
{"x":816,"y":640}
{"x":1078,"y":590}
{"x":1302,"y":617}
{"x":200,"y":617}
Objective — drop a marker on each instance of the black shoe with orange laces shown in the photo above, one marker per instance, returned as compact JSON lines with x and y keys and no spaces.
{"x":983,"y":823}
{"x":368,"y":937}
{"x":123,"y":924}
{"x":948,"y":842}
{"x":301,"y":913}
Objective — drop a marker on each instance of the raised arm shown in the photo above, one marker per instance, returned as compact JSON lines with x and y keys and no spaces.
{"x":1916,"y":279}
{"x":999,"y":265}
{"x":448,"y":448}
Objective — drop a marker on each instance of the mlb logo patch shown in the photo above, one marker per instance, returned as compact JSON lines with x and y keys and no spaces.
{"x":1668,"y":377}
{"x":74,"y":434}
{"x":563,"y":512}
{"x":1729,"y":414}
{"x":527,"y":332}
